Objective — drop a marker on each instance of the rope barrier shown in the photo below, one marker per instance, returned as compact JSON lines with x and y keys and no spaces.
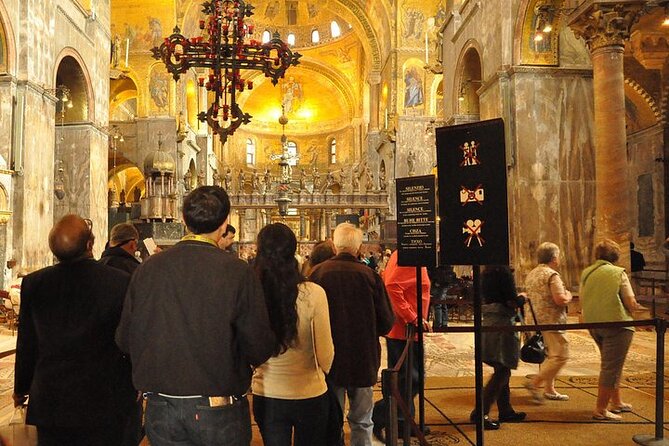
{"x":391,"y":392}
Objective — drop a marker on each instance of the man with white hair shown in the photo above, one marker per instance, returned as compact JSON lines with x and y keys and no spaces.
{"x":360,"y":312}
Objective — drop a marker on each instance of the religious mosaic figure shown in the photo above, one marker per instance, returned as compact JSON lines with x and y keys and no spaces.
{"x":413,"y":88}
{"x":158,"y":86}
{"x":292,"y":95}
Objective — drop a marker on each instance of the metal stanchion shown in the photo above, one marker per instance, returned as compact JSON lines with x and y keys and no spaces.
{"x":478,"y":362}
{"x":420,"y":351}
{"x":658,"y":439}
{"x":406,"y":430}
{"x":388,"y":381}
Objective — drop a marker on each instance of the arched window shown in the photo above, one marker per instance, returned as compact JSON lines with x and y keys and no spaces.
{"x":292,"y":152}
{"x":315,"y":36}
{"x":291,"y":39}
{"x":335,"y":30}
{"x":250,"y":152}
{"x":266,"y":36}
{"x":333,"y":151}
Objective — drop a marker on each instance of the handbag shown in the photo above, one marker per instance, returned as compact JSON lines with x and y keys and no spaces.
{"x":533,"y":350}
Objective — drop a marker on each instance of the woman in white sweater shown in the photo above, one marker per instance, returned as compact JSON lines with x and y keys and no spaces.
{"x":289,"y":390}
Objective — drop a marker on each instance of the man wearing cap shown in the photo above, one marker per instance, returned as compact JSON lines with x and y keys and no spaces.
{"x":195,"y":324}
{"x":77,"y":379}
{"x":122,"y":246}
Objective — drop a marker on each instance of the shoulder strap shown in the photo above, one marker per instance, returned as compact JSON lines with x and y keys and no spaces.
{"x":592,"y":271}
{"x":534,"y":317}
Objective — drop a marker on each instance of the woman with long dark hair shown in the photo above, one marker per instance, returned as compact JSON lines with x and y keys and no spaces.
{"x":289,"y":390}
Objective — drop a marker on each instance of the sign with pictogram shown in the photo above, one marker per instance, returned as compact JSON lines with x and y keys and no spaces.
{"x":473,"y":212}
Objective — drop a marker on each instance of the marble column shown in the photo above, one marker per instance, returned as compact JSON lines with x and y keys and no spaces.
{"x":605,"y":26}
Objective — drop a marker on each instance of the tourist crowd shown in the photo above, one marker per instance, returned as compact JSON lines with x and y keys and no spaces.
{"x":187,"y":335}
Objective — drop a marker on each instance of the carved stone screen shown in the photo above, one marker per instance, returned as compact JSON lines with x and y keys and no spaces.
{"x":471,"y":166}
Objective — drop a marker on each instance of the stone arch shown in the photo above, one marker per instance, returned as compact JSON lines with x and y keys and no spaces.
{"x":468,"y":78}
{"x":129,"y":178}
{"x":436,"y":95}
{"x":525,"y":29}
{"x":71,"y":71}
{"x":7,"y":42}
{"x":120,"y":92}
{"x":641,"y":110}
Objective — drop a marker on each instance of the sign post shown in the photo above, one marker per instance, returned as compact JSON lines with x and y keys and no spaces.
{"x":417,"y":246}
{"x":473,"y":227}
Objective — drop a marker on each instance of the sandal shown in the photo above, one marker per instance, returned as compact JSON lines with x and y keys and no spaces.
{"x":606,"y":416}
{"x":624,"y":407}
{"x":557,"y":396}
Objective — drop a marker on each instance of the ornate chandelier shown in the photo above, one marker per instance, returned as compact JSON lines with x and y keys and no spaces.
{"x":225,"y":53}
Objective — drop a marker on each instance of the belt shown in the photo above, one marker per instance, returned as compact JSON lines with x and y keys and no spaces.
{"x":214,"y":401}
{"x":218,"y":401}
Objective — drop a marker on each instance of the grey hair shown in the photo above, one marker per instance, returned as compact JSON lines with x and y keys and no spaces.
{"x":347,"y":238}
{"x":547,"y":251}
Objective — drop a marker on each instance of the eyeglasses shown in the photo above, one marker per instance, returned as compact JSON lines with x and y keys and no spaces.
{"x":89,"y":223}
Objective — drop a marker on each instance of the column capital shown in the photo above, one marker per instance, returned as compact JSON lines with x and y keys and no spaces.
{"x":605,"y":23}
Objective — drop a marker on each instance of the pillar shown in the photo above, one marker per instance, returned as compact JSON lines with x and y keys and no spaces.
{"x":374,"y":81}
{"x":605,"y":26}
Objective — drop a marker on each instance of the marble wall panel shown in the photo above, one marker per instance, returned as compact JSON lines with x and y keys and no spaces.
{"x":33,"y":195}
{"x":644,"y":148}
{"x":7,"y":89}
{"x":552,"y":183}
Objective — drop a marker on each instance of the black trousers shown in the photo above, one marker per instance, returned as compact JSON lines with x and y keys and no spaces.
{"x":497,"y":390}
{"x":80,"y":436}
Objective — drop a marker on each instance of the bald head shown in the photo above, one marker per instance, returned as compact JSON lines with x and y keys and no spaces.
{"x":71,"y":238}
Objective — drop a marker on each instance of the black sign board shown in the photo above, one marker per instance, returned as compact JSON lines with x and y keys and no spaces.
{"x":471,"y":166}
{"x":416,"y":216}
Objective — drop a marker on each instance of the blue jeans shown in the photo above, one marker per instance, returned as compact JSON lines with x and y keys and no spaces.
{"x":361,"y":404}
{"x":279,"y":418}
{"x":191,"y":422}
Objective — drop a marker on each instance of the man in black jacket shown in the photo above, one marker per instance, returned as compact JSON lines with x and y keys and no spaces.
{"x":195,"y":325}
{"x":360,"y":312}
{"x":66,"y":359}
{"x":122,"y":246}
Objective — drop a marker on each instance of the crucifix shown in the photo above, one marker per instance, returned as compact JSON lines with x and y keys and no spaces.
{"x":224,"y":53}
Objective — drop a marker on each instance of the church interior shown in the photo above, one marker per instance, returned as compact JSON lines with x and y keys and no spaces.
{"x":92,"y":123}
